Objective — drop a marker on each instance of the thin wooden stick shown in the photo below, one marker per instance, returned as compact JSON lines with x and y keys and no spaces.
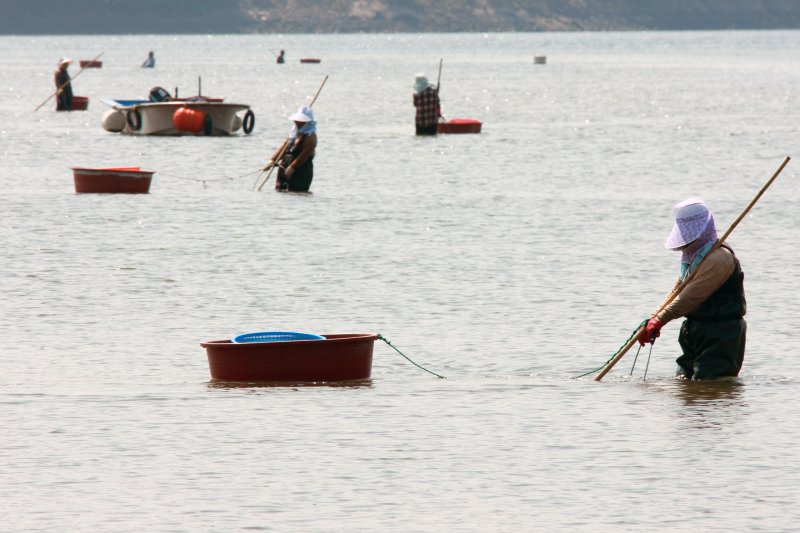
{"x":674,"y":294}
{"x":286,"y":141}
{"x":70,"y":81}
{"x":439,"y":78}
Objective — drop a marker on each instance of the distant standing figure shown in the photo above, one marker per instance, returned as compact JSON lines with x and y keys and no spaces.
{"x":426,"y":100}
{"x":63,"y":85}
{"x":281,"y":59}
{"x":296,"y":163}
{"x":150,"y":62}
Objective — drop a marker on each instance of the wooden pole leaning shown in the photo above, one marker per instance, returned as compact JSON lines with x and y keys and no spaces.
{"x":286,"y":141}
{"x":70,"y":81}
{"x":677,"y":290}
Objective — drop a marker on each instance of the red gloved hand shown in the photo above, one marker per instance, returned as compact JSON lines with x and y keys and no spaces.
{"x":651,"y":331}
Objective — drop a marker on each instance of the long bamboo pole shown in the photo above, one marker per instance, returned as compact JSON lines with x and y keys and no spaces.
{"x":674,"y":294}
{"x":70,"y":81}
{"x":286,"y":141}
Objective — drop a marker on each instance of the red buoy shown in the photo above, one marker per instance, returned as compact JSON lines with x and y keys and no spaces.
{"x":188,"y":119}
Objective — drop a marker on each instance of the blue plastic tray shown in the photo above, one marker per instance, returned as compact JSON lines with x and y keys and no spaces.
{"x":275,"y":336}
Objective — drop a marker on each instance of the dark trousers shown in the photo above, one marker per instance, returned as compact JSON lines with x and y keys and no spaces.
{"x":427,"y":130}
{"x":711,"y":349}
{"x":300,"y":180}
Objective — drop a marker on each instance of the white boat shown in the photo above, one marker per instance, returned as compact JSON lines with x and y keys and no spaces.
{"x":198,"y":115}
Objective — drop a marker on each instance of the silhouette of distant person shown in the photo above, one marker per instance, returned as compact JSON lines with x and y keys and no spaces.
{"x":281,"y":58}
{"x":150,"y":62}
{"x":63,"y":85}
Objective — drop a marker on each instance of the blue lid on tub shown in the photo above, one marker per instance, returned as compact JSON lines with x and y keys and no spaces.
{"x":275,"y":336}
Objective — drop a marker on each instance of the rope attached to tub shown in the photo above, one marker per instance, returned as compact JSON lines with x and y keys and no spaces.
{"x":210,"y":180}
{"x":384,"y":339}
{"x":635,"y":330}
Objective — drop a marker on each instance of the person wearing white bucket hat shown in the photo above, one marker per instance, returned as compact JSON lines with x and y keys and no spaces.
{"x":713,"y":335}
{"x":426,"y":100}
{"x":63,"y":85}
{"x":295,"y":157}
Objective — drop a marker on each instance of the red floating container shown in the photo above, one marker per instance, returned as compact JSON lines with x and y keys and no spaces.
{"x":459,"y":125}
{"x":80,"y":103}
{"x":340,"y":357}
{"x":310,"y":60}
{"x":88,"y":63}
{"x":189,"y":119}
{"x":130,"y":180}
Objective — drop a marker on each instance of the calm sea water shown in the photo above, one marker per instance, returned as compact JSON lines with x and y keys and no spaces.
{"x":509,"y":262}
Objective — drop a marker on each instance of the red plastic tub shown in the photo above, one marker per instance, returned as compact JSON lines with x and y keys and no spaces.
{"x":459,"y":125}
{"x":130,"y":180}
{"x":89,"y":63}
{"x":339,"y":357}
{"x":310,"y":60}
{"x":80,"y":103}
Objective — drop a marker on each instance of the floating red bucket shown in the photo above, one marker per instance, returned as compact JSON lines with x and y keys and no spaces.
{"x":341,"y":357}
{"x":460,"y":125}
{"x":88,"y":63}
{"x":112,"y":180}
{"x":310,"y":60}
{"x":80,"y":103}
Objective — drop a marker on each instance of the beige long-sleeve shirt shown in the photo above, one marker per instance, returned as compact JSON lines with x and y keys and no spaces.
{"x":712,"y":273}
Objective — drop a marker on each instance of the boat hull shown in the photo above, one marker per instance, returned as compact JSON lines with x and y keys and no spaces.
{"x":156,"y":118}
{"x":339,"y":357}
{"x":459,"y":125}
{"x":127,"y":180}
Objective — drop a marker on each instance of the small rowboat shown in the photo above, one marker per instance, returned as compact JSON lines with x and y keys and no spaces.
{"x":112,"y":180}
{"x":310,"y":60}
{"x":459,"y":125}
{"x":89,"y":63}
{"x":339,"y":357}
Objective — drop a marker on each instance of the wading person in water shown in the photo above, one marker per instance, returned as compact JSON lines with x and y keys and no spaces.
{"x":426,"y":100}
{"x":713,"y":335}
{"x":296,"y":163}
{"x":63,"y":86}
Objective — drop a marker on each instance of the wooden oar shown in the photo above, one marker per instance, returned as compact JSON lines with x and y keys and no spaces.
{"x":70,"y":81}
{"x":674,"y":294}
{"x":286,"y":142}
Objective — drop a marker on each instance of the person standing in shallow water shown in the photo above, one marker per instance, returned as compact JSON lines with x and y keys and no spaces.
{"x":295,"y":157}
{"x":63,"y":86}
{"x":713,"y":335}
{"x":150,"y":62}
{"x":426,"y":100}
{"x":281,"y":58}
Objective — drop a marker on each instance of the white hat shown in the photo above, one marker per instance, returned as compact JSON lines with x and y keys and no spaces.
{"x":421,"y":83}
{"x":692,"y":217}
{"x":64,"y":61}
{"x":304,"y":114}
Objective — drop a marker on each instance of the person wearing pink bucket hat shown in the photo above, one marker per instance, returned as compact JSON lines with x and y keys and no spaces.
{"x":713,"y":334}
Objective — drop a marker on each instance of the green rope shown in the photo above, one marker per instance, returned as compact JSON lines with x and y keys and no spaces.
{"x":601,"y":367}
{"x":384,"y":339}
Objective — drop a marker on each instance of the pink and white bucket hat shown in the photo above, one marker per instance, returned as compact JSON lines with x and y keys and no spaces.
{"x":692,"y":218}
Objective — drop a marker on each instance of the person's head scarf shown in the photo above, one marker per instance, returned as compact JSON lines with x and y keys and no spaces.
{"x":305,"y":115}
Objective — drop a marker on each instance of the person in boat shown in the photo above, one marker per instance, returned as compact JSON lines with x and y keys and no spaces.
{"x":712,"y":336}
{"x":295,"y":157}
{"x":281,"y":59}
{"x":426,"y":100}
{"x":63,"y":85}
{"x":150,"y":62}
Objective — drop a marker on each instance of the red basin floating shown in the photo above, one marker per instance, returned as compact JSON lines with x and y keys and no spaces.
{"x":310,"y":60}
{"x":88,"y":63}
{"x":459,"y":125}
{"x":340,"y":357}
{"x":115,"y":180}
{"x":80,"y":103}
